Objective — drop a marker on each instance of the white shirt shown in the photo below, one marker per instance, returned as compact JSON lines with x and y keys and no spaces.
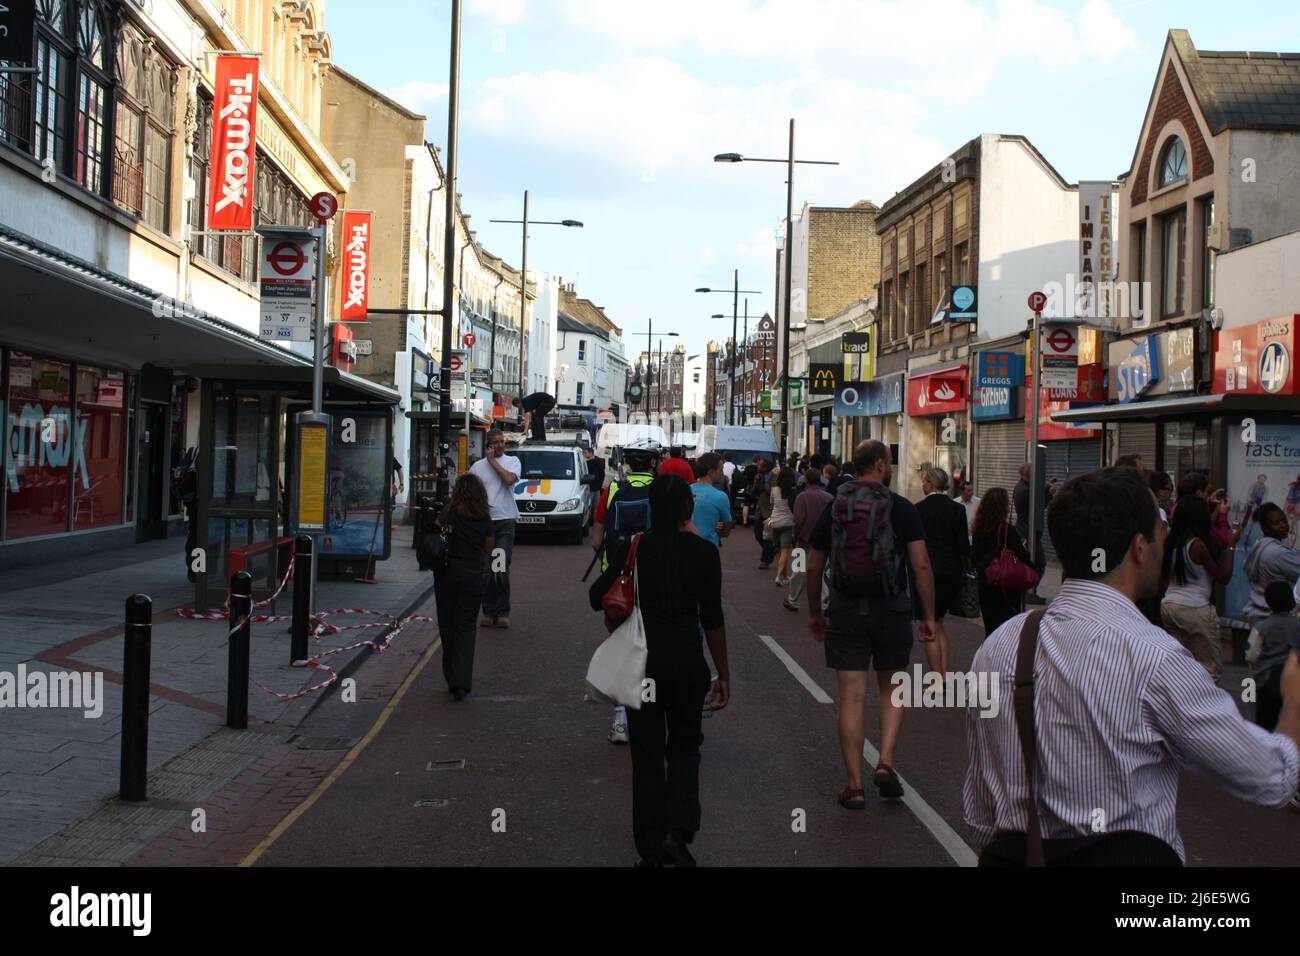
{"x":728,"y":469}
{"x":501,"y":494}
{"x":1120,"y":708}
{"x":971,"y":507}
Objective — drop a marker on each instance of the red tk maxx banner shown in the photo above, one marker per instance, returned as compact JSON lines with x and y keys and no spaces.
{"x":356,"y":265}
{"x":234,"y":138}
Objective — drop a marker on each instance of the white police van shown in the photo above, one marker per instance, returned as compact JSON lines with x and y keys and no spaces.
{"x":554,"y":491}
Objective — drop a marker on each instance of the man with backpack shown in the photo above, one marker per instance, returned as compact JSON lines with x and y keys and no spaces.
{"x":876,"y":545}
{"x":622,"y":511}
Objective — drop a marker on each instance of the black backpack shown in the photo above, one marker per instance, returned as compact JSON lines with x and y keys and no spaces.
{"x":627,"y":513}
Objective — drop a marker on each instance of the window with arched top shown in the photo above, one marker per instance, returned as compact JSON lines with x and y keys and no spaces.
{"x":1173,"y":162}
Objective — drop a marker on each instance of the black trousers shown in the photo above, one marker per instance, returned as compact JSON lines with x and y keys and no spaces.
{"x":1268,"y":704}
{"x":539,"y":426}
{"x":458,"y":602}
{"x":769,"y":547}
{"x":665,"y":741}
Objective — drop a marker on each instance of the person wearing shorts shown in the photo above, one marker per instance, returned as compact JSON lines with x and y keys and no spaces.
{"x":862,"y":633}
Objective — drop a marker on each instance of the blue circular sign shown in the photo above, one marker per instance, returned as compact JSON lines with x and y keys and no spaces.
{"x":963,"y":297}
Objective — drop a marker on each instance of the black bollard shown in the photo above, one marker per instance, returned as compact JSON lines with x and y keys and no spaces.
{"x":135,"y":698}
{"x":303,"y":547}
{"x":241,"y":608}
{"x":423,"y":517}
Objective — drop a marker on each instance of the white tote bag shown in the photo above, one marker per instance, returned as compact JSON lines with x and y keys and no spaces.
{"x":617,"y":669}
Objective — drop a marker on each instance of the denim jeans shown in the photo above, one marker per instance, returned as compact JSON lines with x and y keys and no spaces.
{"x":496,"y":591}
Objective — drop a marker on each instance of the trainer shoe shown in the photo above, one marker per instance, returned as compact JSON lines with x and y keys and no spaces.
{"x":488,"y":622}
{"x":618,"y":734}
{"x":503,"y":622}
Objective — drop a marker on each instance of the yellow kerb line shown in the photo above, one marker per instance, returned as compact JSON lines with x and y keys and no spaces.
{"x":346,"y":762}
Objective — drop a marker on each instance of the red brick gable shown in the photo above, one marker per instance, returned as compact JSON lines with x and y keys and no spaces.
{"x":1172,"y":104}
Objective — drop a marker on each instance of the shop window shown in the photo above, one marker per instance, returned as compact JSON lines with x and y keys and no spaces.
{"x":39,"y":442}
{"x":1207,"y":254}
{"x":98,"y":448}
{"x":1186,"y":449}
{"x":1173,"y":271}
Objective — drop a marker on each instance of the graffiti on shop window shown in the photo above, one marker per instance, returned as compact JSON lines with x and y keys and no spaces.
{"x":26,"y":447}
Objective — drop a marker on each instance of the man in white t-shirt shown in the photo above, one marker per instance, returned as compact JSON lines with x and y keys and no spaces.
{"x":728,"y":468}
{"x":971,"y":502}
{"x":499,"y":472}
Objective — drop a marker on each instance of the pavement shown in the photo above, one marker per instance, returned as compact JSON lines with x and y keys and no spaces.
{"x":59,"y":766}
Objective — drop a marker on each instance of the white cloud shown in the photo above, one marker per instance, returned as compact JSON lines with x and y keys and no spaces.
{"x":418,"y":96}
{"x":506,"y":12}
{"x":958,"y":40}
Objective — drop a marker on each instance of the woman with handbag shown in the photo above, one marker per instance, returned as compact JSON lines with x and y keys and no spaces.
{"x":678,"y":587}
{"x":459,"y":574}
{"x":782,"y":523}
{"x":994,"y":540}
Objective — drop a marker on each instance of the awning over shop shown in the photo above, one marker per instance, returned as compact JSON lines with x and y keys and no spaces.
{"x":337,"y":386}
{"x":56,"y":303}
{"x":1158,"y":409}
{"x":457,"y":419}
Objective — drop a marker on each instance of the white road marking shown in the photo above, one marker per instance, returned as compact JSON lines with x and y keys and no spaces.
{"x":799,"y":673}
{"x":956,"y":847}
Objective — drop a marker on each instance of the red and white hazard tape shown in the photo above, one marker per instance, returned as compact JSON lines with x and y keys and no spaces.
{"x":319,"y":627}
{"x":224,"y":613}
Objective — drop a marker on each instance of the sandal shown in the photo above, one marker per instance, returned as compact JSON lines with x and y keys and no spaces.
{"x":887,"y":782}
{"x":853,"y":799}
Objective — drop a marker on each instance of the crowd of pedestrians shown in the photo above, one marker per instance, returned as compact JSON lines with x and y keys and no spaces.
{"x":1121,"y":667}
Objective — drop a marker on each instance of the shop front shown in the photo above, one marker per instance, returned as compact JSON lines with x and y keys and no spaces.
{"x":1144,"y":368}
{"x":936,"y":426}
{"x":997,"y":410}
{"x":1245,"y":435}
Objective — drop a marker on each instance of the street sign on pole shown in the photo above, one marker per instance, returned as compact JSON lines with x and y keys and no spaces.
{"x":288,"y":261}
{"x":1059,"y":355}
{"x":323,"y":206}
{"x":458,"y":362}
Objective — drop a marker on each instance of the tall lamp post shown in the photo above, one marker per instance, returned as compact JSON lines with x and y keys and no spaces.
{"x":649,"y":354}
{"x":789,"y":268}
{"x":736,"y":290}
{"x":523,"y":280}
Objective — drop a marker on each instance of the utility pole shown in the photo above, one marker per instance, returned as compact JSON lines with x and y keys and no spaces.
{"x":449,"y":255}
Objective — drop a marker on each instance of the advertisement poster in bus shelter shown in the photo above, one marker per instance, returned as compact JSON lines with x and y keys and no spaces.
{"x":1265,"y":470}
{"x":358,"y":474}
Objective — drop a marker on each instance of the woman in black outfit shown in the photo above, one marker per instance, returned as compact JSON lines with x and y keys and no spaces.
{"x":948,"y":542}
{"x":991,"y":533}
{"x":680,"y":586}
{"x":458,"y":585}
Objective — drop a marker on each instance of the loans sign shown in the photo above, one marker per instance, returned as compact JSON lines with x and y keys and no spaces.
{"x":356,"y":265}
{"x":234,"y":135}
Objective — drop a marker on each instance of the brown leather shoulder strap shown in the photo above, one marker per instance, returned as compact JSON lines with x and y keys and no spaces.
{"x":1024,"y":710}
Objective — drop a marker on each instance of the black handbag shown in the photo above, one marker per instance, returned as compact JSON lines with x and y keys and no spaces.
{"x":967,"y":601}
{"x":433,"y":547}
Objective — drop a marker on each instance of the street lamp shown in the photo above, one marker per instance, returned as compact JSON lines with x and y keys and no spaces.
{"x":735,"y":298}
{"x":523,"y":285}
{"x":789,"y":268}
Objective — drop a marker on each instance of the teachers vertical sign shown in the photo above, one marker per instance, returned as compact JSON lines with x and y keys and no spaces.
{"x":1095,"y":290}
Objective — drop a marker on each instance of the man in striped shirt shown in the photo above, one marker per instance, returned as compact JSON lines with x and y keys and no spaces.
{"x":1120,"y":707}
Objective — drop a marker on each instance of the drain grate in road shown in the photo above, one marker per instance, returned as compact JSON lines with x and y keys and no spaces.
{"x":446,"y":764}
{"x":432,"y":803}
{"x":324,"y":743}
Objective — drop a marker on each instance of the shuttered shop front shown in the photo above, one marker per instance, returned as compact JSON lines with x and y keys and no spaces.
{"x":1065,"y":459}
{"x":999,"y":453}
{"x":1138,"y":438}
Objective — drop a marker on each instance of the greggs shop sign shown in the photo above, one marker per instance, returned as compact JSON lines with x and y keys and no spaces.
{"x":939,"y":393}
{"x":1257,"y":359}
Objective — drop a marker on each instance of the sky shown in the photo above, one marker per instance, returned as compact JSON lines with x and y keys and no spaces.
{"x":610,"y":112}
